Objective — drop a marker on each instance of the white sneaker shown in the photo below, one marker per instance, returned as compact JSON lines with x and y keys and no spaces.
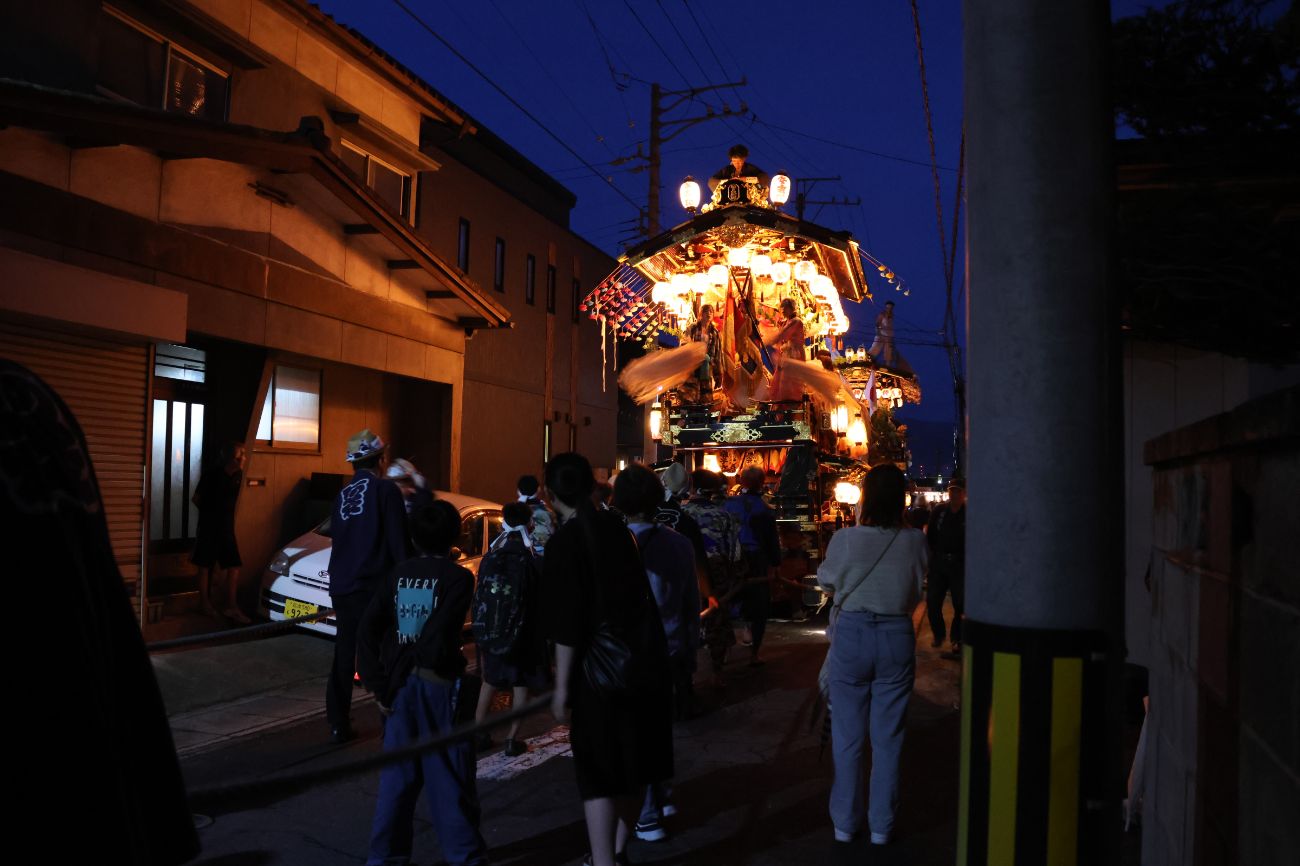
{"x":879,"y":838}
{"x":668,"y":810}
{"x":841,"y":836}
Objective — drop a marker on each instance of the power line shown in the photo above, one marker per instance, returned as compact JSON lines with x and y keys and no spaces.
{"x":853,"y":147}
{"x":559,"y":87}
{"x":481,"y":74}
{"x":609,"y":63}
{"x":658,"y":45}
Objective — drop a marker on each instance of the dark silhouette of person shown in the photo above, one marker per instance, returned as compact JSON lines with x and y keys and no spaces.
{"x":96,"y":727}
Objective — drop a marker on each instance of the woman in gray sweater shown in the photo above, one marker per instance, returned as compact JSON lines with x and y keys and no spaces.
{"x":874,"y":572}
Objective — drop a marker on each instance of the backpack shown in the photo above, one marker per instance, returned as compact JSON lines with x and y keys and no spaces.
{"x":499,"y":599}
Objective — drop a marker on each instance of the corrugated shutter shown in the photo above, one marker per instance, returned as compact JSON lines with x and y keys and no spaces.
{"x":105,"y":383}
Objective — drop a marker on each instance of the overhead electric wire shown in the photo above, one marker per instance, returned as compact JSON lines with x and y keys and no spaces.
{"x":499,"y":89}
{"x":657,"y":44}
{"x":563,"y":91}
{"x":796,"y":161}
{"x":854,"y":147}
{"x":609,"y":63}
{"x":929,"y":131}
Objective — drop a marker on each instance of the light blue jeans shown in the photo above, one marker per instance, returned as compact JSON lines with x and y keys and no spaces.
{"x":872,"y":668}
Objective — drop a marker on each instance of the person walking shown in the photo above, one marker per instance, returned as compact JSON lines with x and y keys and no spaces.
{"x":511,"y":650}
{"x":724,"y":560}
{"x":216,"y":550}
{"x":874,"y":574}
{"x":669,"y":560}
{"x":415,"y":489}
{"x":596,"y":605}
{"x":529,"y":491}
{"x":410,"y":657}
{"x":677,"y":484}
{"x":368,"y":532}
{"x":946,"y":535}
{"x":761,"y":549}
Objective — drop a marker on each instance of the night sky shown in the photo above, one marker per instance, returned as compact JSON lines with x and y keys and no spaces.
{"x":825,"y":83}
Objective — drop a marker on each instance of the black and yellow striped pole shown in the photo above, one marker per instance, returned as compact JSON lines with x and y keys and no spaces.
{"x":1034,"y":743}
{"x":1041,"y":775}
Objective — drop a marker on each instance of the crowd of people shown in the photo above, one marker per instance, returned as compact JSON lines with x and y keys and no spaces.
{"x":605,"y":594}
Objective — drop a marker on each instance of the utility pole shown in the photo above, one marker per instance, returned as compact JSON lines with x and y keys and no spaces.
{"x":663,"y":131}
{"x":804,"y":185}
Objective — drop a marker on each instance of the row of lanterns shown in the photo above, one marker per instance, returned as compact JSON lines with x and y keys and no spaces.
{"x":675,"y":293}
{"x":778,"y":192}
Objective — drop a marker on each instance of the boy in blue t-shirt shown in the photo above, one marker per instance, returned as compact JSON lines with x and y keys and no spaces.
{"x":410,"y":658}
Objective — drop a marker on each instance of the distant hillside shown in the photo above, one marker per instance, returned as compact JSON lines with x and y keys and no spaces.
{"x":931,"y":444}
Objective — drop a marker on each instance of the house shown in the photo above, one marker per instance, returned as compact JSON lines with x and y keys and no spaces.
{"x":238,"y":220}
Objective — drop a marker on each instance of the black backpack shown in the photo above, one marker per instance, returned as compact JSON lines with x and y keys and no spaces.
{"x":499,"y":599}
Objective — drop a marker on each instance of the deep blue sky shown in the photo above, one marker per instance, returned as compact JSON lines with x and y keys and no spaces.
{"x":842,"y":71}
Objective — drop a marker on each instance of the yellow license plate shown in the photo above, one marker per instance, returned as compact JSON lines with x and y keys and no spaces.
{"x":294,"y":608}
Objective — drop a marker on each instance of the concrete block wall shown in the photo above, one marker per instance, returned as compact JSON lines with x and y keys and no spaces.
{"x":1223,"y":639}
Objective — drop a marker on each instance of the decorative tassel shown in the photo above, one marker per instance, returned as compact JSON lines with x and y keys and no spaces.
{"x":658,"y":371}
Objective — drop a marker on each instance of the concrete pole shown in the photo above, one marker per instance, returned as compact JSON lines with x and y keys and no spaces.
{"x":1044,"y":531}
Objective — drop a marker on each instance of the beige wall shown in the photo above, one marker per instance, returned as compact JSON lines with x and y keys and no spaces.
{"x":1167,"y":387}
{"x":508,"y":367}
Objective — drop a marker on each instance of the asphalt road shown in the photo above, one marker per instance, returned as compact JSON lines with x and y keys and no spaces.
{"x":751,"y":788}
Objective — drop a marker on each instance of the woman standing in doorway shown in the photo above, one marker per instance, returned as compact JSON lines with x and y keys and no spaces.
{"x":215,"y":548}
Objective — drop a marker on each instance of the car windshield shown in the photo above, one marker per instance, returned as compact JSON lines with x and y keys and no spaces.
{"x":470,"y":542}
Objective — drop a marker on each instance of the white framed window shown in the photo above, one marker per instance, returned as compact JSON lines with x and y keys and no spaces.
{"x":140,"y":65}
{"x":291,"y":412}
{"x":393,"y":186}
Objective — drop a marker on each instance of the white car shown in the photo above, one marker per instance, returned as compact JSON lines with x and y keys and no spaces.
{"x":297,"y":582}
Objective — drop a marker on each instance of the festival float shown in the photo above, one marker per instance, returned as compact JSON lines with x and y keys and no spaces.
{"x":741,"y":311}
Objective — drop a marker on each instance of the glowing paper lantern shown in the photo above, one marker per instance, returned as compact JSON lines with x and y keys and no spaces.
{"x":689,"y":194}
{"x":719,"y":274}
{"x":804,"y":271}
{"x":779,"y":190}
{"x":760,"y":266}
{"x":781,"y":272}
{"x":848,"y":493}
{"x":738,"y":257}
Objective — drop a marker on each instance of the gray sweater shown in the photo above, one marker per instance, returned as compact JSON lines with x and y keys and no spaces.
{"x":894,"y":586}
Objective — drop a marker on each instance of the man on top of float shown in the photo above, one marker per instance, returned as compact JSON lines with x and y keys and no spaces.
{"x":739,"y":169}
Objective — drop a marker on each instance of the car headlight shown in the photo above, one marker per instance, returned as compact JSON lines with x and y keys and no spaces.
{"x":280,"y":564}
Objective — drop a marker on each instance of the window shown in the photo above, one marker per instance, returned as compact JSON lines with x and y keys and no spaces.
{"x":462,"y":246}
{"x":141,"y":66}
{"x":577,"y":298}
{"x":291,"y":414}
{"x":174,"y":473}
{"x":499,"y":267}
{"x":179,"y":362}
{"x":530,"y":279}
{"x":550,"y":288}
{"x":390,"y":184}
{"x":470,"y":543}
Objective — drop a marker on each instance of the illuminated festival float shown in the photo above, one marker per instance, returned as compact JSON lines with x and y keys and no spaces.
{"x":740,"y":309}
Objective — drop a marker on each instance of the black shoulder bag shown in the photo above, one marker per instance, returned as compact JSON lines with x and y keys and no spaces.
{"x":608,"y":663}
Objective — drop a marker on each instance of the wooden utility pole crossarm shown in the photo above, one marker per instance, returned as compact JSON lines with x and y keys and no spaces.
{"x":658,"y":136}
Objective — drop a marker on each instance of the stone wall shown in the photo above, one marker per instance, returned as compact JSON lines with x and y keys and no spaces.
{"x":1223,"y":756}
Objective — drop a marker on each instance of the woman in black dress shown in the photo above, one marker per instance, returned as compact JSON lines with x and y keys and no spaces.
{"x":592,"y":575}
{"x":215,"y":548}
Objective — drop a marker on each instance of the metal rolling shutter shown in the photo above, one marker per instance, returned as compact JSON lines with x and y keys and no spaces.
{"x":105,"y":384}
